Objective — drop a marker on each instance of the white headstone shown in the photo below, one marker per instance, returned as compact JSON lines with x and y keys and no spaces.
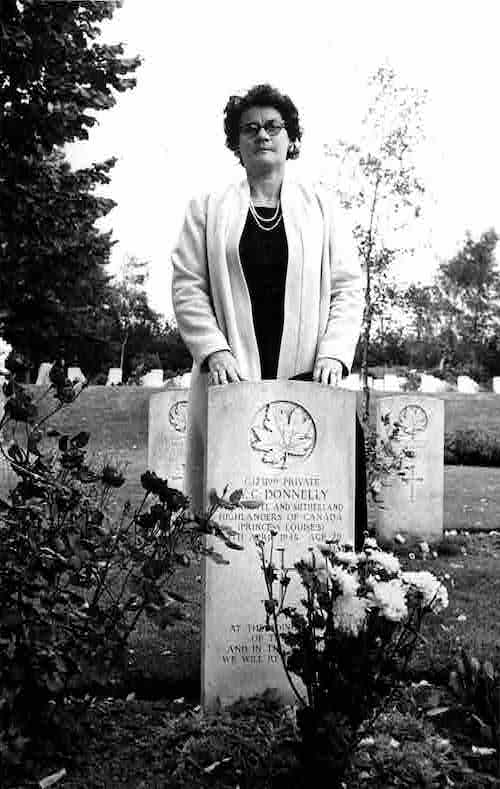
{"x":430,"y":384}
{"x":495,"y":384}
{"x":8,"y":478}
{"x":43,"y":374}
{"x":153,"y":379}
{"x":391,"y":383}
{"x":168,"y":413}
{"x":75,"y":375}
{"x":378,"y":384}
{"x":467,"y":385}
{"x":352,"y":382}
{"x":412,"y":503}
{"x":114,"y":376}
{"x":290,"y":447}
{"x":185,"y":380}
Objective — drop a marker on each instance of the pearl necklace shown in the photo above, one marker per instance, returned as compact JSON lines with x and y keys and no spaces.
{"x":272,"y":221}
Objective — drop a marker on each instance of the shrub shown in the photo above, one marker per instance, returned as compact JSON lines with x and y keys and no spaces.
{"x":413,"y":381}
{"x":471,"y":448}
{"x":73,"y":580}
{"x":384,"y":458}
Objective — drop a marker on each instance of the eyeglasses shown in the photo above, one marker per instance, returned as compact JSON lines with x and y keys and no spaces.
{"x":272,"y":128}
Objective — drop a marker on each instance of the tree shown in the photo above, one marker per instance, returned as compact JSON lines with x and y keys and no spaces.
{"x":54,"y":77}
{"x":377,"y":181}
{"x":52,"y":278}
{"x":470,"y":289}
{"x":128,"y":306}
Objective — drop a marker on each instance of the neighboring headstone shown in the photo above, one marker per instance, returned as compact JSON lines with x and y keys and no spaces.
{"x":352,"y":382}
{"x":8,"y":478}
{"x":412,"y":503}
{"x":153,"y":379}
{"x":167,"y":435}
{"x":75,"y":375}
{"x":114,"y":376}
{"x":43,"y":374}
{"x":391,"y":383}
{"x":495,"y":384}
{"x":467,"y":385}
{"x":290,"y":447}
{"x":185,"y":380}
{"x":430,"y":384}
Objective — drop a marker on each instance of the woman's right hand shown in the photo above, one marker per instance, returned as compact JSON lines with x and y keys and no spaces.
{"x":223,"y":368}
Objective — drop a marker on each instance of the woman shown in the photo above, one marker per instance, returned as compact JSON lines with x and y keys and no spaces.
{"x":266,"y":280}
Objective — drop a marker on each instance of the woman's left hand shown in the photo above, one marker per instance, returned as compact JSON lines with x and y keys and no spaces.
{"x":327,"y":371}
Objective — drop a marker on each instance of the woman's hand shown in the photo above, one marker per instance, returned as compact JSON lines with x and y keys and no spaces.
{"x":223,"y":368}
{"x":327,"y":371}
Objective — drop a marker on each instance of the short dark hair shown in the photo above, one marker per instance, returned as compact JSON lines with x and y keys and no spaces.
{"x":262,"y":96}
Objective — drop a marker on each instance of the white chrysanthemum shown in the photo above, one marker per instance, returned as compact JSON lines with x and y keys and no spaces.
{"x":350,"y":614}
{"x":390,"y":598}
{"x":348,"y":582}
{"x":434,"y":593}
{"x":387,"y":561}
{"x":348,"y":558}
{"x":370,"y":542}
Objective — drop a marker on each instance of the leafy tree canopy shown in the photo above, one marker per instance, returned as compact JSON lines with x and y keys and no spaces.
{"x":54,"y":76}
{"x":470,"y":288}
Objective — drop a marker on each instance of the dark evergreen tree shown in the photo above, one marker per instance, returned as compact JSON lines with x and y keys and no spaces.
{"x":54,"y":76}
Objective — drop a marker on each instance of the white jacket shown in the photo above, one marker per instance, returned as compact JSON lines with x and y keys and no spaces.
{"x":323,"y":293}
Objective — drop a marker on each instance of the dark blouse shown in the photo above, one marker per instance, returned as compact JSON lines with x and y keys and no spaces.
{"x":264,"y":258}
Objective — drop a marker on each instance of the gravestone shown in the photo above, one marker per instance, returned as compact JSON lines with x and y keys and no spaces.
{"x":167,"y":435}
{"x":391,"y":383}
{"x":75,"y":375}
{"x":8,"y":478}
{"x":114,"y":376}
{"x":431,"y":384}
{"x":153,"y":379}
{"x":495,"y":384}
{"x":352,"y":382}
{"x":467,"y":385}
{"x":413,"y":502}
{"x":43,"y":374}
{"x":289,"y":446}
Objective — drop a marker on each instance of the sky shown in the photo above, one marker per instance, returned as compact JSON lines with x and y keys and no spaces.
{"x":167,"y":133}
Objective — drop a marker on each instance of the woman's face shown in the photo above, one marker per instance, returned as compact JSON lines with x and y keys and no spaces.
{"x":261,"y":150}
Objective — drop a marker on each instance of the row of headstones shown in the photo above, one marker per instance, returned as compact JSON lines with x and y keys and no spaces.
{"x":429,"y":384}
{"x":153,"y":379}
{"x":290,"y":446}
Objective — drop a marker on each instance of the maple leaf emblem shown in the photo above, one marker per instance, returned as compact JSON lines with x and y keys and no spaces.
{"x":177,"y":416}
{"x":282,"y":430}
{"x":413,"y":419}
